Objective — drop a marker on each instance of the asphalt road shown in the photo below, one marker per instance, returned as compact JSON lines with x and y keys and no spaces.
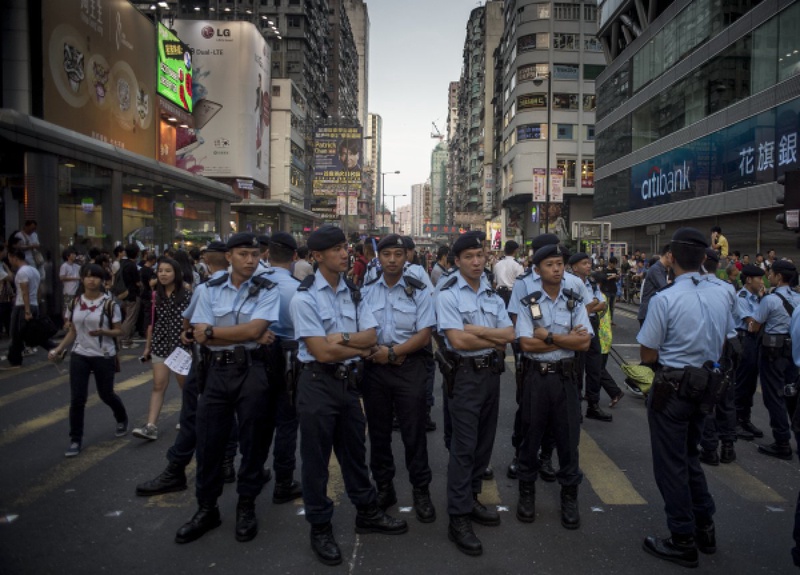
{"x":81,"y":515}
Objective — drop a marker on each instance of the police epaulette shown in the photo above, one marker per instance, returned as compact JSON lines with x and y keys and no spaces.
{"x":665,"y":287}
{"x":449,"y":283}
{"x":217,"y":281}
{"x":261,"y":282}
{"x":572,"y":295}
{"x":531,"y":298}
{"x":307,"y":282}
{"x":267,"y":272}
{"x":526,"y":274}
{"x":414,"y":282}
{"x":378,"y":275}
{"x":743,"y":294}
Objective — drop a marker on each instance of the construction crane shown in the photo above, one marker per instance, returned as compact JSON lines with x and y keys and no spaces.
{"x":436,"y":134}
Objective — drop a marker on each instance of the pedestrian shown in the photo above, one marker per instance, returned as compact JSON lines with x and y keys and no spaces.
{"x":552,"y":325}
{"x":507,"y":270}
{"x":359,"y":266}
{"x":654,"y":280}
{"x":169,"y":300}
{"x":302,"y":268}
{"x":609,"y":285}
{"x":776,"y":368}
{"x":30,"y":245}
{"x":336,"y":330}
{"x":94,"y":321}
{"x":476,"y":327}
{"x":26,"y":305}
{"x":720,"y":243}
{"x":231,"y":315}
{"x":127,"y":288}
{"x":395,"y":377}
{"x":440,"y":267}
{"x":70,"y":276}
{"x":7,"y":294}
{"x":683,"y":335}
{"x":747,"y":371}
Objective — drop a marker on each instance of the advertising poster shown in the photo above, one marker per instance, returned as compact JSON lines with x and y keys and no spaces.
{"x":100,"y":73}
{"x":556,"y":185}
{"x":539,"y":185}
{"x":174,"y":69}
{"x":337,"y":170}
{"x":231,"y":95}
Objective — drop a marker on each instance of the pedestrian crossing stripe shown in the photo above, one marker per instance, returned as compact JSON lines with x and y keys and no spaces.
{"x":15,"y":373}
{"x":624,"y":313}
{"x":608,"y":481}
{"x":335,"y":480}
{"x":745,"y":485}
{"x":26,"y":392}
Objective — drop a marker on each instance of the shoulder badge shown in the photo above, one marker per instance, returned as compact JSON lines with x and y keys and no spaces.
{"x":414,"y":282}
{"x":743,"y":294}
{"x":260,"y":282}
{"x":570,"y":294}
{"x":306,"y":284}
{"x":531,"y":298}
{"x":218,"y":281}
{"x":450,"y":283}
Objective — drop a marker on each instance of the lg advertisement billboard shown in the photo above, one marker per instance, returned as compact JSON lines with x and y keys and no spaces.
{"x":231,"y":95}
{"x":100,"y":72}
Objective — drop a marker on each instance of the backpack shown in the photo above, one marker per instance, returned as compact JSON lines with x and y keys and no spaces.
{"x":118,"y":289}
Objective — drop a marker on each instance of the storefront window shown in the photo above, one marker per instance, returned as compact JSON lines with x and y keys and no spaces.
{"x":81,"y":191}
{"x":568,"y":165}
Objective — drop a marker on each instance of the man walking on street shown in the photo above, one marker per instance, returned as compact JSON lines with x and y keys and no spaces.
{"x":129,"y":298}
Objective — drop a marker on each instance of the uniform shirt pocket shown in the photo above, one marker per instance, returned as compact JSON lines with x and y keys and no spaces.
{"x":469,"y":313}
{"x":405,"y":315}
{"x":561,"y":320}
{"x":347,"y":312}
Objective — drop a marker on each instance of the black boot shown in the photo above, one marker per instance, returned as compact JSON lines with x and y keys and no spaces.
{"x":371,"y":519}
{"x":430,"y":425}
{"x":324,"y":544}
{"x":546,"y":471}
{"x":206,"y":519}
{"x":513,"y":469}
{"x":480,"y":514}
{"x":570,"y":516}
{"x":779,"y":449}
{"x":679,"y":549}
{"x":488,"y":473}
{"x":173,"y":478}
{"x":727,"y":454}
{"x":709,"y":456}
{"x":246,"y":522}
{"x":706,"y":537}
{"x":526,"y":507}
{"x":228,"y":470}
{"x":286,"y":490}
{"x":460,"y":532}
{"x":423,"y":506}
{"x":387,"y":496}
{"x":594,"y":412}
{"x":748,"y":426}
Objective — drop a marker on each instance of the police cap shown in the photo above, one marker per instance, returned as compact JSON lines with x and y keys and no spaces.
{"x":409,"y":241}
{"x":284,"y":239}
{"x":242,"y":240}
{"x":784,"y":267}
{"x":578,"y":257}
{"x":548,"y":251}
{"x":712,"y":255}
{"x":392,"y":241}
{"x":216,"y":247}
{"x":468,"y":241}
{"x":263,"y":240}
{"x":750,"y":270}
{"x":326,"y":237}
{"x":544,"y":240}
{"x":689,"y":237}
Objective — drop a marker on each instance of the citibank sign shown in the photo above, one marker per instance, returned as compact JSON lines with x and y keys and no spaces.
{"x":661,"y":183}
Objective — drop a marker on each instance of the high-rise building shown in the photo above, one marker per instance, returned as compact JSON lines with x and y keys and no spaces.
{"x":343,"y":66}
{"x":287,"y":150}
{"x":438,"y":187}
{"x":549,"y":58}
{"x":373,"y":164}
{"x":698,"y":114}
{"x":359,"y":23}
{"x":452,"y":128}
{"x":420,"y":207}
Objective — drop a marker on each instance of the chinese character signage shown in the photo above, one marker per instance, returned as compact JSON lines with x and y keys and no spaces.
{"x":539,"y":185}
{"x":99,"y":75}
{"x":556,"y":185}
{"x":437,"y":229}
{"x":174,"y":69}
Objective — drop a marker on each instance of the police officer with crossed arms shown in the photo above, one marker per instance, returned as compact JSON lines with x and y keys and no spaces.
{"x":232,"y":313}
{"x":336,"y":330}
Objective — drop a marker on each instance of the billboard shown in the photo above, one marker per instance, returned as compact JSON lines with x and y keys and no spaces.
{"x":337,"y":170}
{"x":174,"y":69}
{"x":99,"y":74}
{"x":231,"y":94}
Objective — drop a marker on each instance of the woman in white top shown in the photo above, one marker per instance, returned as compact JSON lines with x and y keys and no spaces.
{"x":94,"y":320}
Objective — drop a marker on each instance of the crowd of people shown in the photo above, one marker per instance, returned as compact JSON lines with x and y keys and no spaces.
{"x":327,"y":346}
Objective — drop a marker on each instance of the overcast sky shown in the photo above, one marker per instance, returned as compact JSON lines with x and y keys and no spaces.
{"x":415,"y":52}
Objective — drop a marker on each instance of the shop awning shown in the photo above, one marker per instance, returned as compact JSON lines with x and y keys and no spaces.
{"x":251,"y":206}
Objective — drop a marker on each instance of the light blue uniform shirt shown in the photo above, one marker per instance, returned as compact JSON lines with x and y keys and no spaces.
{"x":418,"y":272}
{"x":399,"y":316}
{"x":687,"y":323}
{"x":524,"y":285}
{"x":287,"y":287}
{"x":746,"y":306}
{"x":320,"y":311}
{"x":459,"y":305}
{"x":730,"y":294}
{"x":556,"y":318}
{"x":189,"y":311}
{"x":794,"y":333}
{"x":771,"y":312}
{"x":225,"y":306}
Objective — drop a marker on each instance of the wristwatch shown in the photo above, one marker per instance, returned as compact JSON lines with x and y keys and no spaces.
{"x":209,"y":332}
{"x":392,"y":355}
{"x":345,"y":337}
{"x":549,"y":339}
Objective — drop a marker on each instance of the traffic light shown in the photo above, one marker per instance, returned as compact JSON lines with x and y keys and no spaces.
{"x":789,"y":198}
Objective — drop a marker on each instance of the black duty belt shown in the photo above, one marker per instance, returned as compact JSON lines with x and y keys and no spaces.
{"x":477,"y":362}
{"x":237,"y":355}
{"x":561,"y":367}
{"x":503,"y":288}
{"x":745,"y":333}
{"x":337,"y":370}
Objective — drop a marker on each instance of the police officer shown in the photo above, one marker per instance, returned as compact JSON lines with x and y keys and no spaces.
{"x":180,"y":454}
{"x":686,"y":327}
{"x":336,"y":329}
{"x":263,"y":246}
{"x":477,"y":328}
{"x":232,"y":313}
{"x":776,"y":367}
{"x":747,"y":371}
{"x":552,"y":325}
{"x":282,"y":249}
{"x":394,"y":376}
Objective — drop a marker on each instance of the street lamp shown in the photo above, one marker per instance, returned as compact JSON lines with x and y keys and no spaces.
{"x":383,"y":188}
{"x":393,"y":196}
{"x":538,"y":82}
